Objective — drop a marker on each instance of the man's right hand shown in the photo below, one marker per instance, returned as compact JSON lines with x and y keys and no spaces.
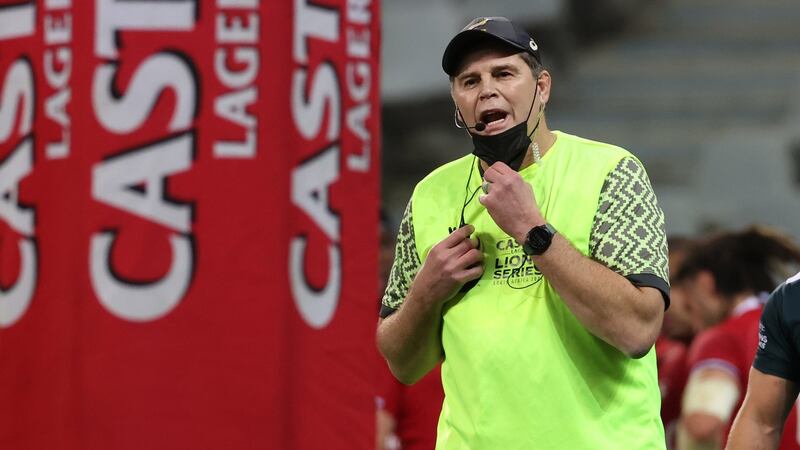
{"x":450,"y":263}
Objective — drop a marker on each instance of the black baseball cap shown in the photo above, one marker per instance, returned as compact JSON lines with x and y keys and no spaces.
{"x":498,"y":29}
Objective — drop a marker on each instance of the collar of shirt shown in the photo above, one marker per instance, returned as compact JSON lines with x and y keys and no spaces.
{"x":747,"y":305}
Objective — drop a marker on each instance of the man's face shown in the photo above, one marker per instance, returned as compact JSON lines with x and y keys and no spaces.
{"x":706,"y":307}
{"x":678,"y":321}
{"x":495,"y":87}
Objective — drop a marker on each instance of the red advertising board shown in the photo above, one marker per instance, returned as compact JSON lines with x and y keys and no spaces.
{"x":188,"y":225}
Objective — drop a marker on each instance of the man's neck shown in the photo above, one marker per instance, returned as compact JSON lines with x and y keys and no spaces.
{"x":543,"y":136}
{"x":545,"y":140}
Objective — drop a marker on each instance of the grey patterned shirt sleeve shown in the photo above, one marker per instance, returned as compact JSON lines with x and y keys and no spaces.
{"x":405,"y":267}
{"x":628,"y":234}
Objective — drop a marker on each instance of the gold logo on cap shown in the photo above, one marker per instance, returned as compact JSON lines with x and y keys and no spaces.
{"x":479,"y":23}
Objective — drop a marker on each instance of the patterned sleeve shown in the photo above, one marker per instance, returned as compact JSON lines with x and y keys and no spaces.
{"x":405,"y":266}
{"x":628,"y":234}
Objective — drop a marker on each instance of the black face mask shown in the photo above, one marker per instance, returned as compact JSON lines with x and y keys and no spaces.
{"x":510,"y":146}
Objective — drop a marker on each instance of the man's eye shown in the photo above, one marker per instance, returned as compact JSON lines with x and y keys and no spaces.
{"x":504,"y":74}
{"x":469,"y":82}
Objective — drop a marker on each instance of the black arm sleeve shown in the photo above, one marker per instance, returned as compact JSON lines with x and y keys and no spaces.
{"x":777,"y":334}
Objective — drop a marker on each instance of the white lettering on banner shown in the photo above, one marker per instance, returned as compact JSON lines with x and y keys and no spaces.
{"x":233,"y":107}
{"x":316,"y":307}
{"x":357,"y":123}
{"x":18,"y":20}
{"x":115,"y":182}
{"x":57,"y":71}
{"x":135,"y":180}
{"x":235,"y":30}
{"x":16,"y":99}
{"x":240,"y":36}
{"x":312,"y":179}
{"x":310,"y":184}
{"x":358,"y":11}
{"x":141,"y":15}
{"x":130,"y":112}
{"x":312,"y":22}
{"x":238,"y":3}
{"x":237,"y":79}
{"x":17,"y":89}
{"x":134,"y":301}
{"x":359,"y":81}
{"x":308,"y":113}
{"x":16,"y":167}
{"x":14,"y":301}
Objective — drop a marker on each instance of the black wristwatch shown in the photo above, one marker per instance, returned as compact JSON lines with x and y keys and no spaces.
{"x":538,"y":239}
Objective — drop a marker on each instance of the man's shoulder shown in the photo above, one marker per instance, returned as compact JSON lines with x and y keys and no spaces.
{"x":747,"y":321}
{"x":453,"y":172}
{"x":786,"y":299}
{"x":789,"y":290}
{"x":592,"y":148}
{"x":726,"y":335}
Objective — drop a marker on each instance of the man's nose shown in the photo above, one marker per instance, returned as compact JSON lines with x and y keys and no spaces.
{"x":488,"y":89}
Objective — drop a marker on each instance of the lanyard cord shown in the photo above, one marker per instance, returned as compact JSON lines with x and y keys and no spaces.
{"x":516,"y":271}
{"x":467,"y":201}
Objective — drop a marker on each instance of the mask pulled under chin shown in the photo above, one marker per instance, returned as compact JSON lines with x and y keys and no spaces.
{"x":510,"y":146}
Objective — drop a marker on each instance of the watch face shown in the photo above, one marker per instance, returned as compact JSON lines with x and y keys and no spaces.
{"x":539,"y":239}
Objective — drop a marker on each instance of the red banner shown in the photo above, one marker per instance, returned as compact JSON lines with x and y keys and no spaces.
{"x":188,"y":225}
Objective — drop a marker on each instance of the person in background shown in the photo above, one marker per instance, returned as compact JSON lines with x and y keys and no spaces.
{"x":678,"y":324}
{"x":385,"y":439}
{"x":406,"y":415}
{"x":672,"y":345}
{"x":411,"y":413}
{"x":774,"y":377}
{"x":725,"y":278}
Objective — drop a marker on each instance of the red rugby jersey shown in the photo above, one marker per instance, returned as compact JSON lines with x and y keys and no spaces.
{"x":672,"y":375}
{"x":732,"y":346}
{"x":416,"y":409}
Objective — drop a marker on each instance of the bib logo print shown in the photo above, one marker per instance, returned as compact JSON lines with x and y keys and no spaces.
{"x":510,"y":266}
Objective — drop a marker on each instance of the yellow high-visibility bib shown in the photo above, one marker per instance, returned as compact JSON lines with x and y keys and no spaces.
{"x":520,"y":372}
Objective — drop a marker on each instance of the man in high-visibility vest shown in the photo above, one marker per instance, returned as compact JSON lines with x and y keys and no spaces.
{"x":544,"y":297}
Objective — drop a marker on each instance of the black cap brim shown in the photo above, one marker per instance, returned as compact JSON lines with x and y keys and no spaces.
{"x":467,"y":41}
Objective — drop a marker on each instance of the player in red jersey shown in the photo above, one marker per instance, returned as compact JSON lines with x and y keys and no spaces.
{"x":726,"y":278}
{"x":672,"y":345}
{"x":773,"y":385}
{"x":413,"y":411}
{"x":672,"y":375}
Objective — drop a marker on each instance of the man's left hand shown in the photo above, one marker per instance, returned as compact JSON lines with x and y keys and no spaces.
{"x":510,"y":201}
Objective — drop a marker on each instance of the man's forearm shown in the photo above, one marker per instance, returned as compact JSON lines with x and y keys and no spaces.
{"x":748,"y":434}
{"x":410,"y":339}
{"x":606,"y":303}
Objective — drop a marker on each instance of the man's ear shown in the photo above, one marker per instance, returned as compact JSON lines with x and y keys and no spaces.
{"x":545,"y":83}
{"x":457,"y":117}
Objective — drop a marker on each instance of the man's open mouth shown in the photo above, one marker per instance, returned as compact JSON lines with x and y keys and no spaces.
{"x":493,"y":118}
